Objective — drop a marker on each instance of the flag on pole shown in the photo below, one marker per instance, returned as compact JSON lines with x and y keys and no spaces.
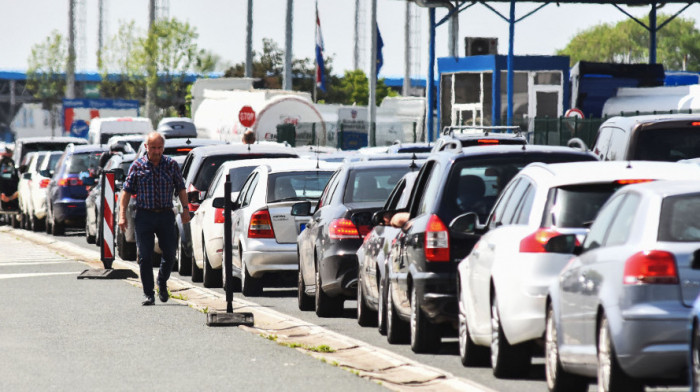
{"x":380,"y":45}
{"x":320,"y":68}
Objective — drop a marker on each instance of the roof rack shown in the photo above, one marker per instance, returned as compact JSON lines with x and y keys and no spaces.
{"x":463,"y":129}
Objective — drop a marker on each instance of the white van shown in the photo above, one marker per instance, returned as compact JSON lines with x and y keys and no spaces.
{"x":101,"y":129}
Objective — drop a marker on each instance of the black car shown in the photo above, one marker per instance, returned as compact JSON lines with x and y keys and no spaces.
{"x":327,"y":247}
{"x":373,"y":255}
{"x":423,"y":264}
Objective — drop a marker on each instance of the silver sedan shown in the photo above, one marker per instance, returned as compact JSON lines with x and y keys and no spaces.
{"x":619,"y":311}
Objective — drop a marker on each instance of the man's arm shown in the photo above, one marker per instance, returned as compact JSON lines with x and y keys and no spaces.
{"x":185,"y":211}
{"x":123,"y":205}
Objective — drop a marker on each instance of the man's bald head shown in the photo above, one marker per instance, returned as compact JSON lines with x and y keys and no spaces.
{"x":154,"y":147}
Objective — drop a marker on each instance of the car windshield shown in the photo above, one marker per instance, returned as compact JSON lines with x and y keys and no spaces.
{"x":680,"y":218}
{"x":297,"y":185}
{"x":668,"y":144}
{"x":372,"y":185}
{"x":576,"y":206}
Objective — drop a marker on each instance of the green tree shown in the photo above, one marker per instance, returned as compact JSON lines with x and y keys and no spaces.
{"x":46,"y":65}
{"x":123,"y":67}
{"x":678,"y":43}
{"x":355,"y":85}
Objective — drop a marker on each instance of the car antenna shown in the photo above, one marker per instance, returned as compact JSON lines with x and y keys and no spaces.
{"x":188,"y":141}
{"x":524,"y":147}
{"x":629,"y":164}
{"x":413,"y":165}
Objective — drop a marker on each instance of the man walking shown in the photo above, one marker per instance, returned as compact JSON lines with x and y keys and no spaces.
{"x":154,"y":179}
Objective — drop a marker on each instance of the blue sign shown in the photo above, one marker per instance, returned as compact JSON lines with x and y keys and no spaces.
{"x":79,"y":128}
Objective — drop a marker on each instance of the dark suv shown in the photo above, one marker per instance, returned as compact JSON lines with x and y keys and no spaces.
{"x":74,"y":175}
{"x":424,"y":258}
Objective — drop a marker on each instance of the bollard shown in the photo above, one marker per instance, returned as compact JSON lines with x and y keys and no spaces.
{"x":106,"y":227}
{"x":229,"y":318}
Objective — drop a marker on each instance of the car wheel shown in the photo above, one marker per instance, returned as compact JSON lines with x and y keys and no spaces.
{"x":57,"y":228}
{"x":91,"y":239}
{"x":250,"y":286}
{"x":507,"y":361}
{"x":305,"y":302}
{"x":381,"y":306}
{"x":695,"y":358}
{"x":366,"y":317}
{"x":197,"y":274}
{"x":470,"y":354}
{"x":425,"y":336}
{"x":36,"y":223}
{"x":47,"y":224}
{"x":125,"y":250}
{"x":325,"y":305}
{"x":610,"y":376}
{"x":25,"y":221}
{"x":184,"y":259}
{"x":211,"y":277}
{"x":396,"y":329}
{"x":16,"y":222}
{"x":558,"y":380}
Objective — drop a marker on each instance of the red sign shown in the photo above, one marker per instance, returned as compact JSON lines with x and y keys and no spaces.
{"x":246,"y":116}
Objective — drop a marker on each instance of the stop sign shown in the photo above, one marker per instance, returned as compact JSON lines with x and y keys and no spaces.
{"x":246,"y":116}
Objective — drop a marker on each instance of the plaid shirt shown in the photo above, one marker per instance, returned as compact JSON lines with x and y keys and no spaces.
{"x":154,"y":186}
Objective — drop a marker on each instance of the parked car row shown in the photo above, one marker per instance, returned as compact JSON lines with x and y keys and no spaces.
{"x":519,"y":250}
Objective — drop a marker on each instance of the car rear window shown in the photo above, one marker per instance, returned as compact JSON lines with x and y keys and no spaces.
{"x":297,"y":185}
{"x":576,"y":206}
{"x":84,"y":162}
{"x":680,"y":218}
{"x":669,"y":144}
{"x":372,"y":185}
{"x":210,"y":165}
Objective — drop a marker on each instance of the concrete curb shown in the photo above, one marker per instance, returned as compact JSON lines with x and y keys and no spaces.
{"x":389,"y":369}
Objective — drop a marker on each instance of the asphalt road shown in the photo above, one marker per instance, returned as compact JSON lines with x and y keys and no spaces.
{"x":283,"y":299}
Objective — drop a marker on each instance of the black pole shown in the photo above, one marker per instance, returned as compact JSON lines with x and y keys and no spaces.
{"x":228,"y":286}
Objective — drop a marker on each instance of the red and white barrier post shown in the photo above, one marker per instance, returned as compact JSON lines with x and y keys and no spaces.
{"x":107,"y":220}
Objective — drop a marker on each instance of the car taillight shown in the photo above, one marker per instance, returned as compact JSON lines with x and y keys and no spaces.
{"x":487,"y":141}
{"x":261,"y":225}
{"x":437,"y":240}
{"x":651,"y":267}
{"x":636,"y":181}
{"x":44,"y":183}
{"x":535,"y":242}
{"x":72,"y":181}
{"x":218,"y":215}
{"x":342,"y":228}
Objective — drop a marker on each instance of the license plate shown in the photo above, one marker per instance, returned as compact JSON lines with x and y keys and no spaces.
{"x":302,"y":226}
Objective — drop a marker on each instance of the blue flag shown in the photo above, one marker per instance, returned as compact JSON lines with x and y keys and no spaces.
{"x":380,"y":45}
{"x":320,"y":68}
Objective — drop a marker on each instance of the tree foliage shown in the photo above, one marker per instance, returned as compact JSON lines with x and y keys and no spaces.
{"x":678,"y":43}
{"x":46,"y":65}
{"x":355,"y":86}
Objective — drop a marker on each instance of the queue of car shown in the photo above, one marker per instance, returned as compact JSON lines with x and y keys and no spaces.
{"x":519,"y":250}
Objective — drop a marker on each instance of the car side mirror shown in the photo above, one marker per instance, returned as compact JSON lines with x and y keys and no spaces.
{"x":218,"y":202}
{"x":565,"y":243}
{"x":193,"y":197}
{"x":45,"y":172}
{"x":27,"y":176}
{"x":301,"y":209}
{"x":22,"y":168}
{"x":465,"y":224}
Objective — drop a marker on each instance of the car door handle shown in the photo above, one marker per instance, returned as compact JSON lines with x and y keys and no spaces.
{"x":491,"y":246}
{"x":317,"y":219}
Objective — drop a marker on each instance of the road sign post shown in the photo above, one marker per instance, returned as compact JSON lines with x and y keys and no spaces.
{"x":229,"y":318}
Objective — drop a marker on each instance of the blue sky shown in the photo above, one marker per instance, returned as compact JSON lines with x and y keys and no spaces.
{"x":221,"y":27}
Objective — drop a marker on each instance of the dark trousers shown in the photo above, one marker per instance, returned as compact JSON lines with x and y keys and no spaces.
{"x":146,"y":225}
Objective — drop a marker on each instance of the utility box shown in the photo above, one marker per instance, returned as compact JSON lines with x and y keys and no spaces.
{"x":476,"y":46}
{"x":287,"y":133}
